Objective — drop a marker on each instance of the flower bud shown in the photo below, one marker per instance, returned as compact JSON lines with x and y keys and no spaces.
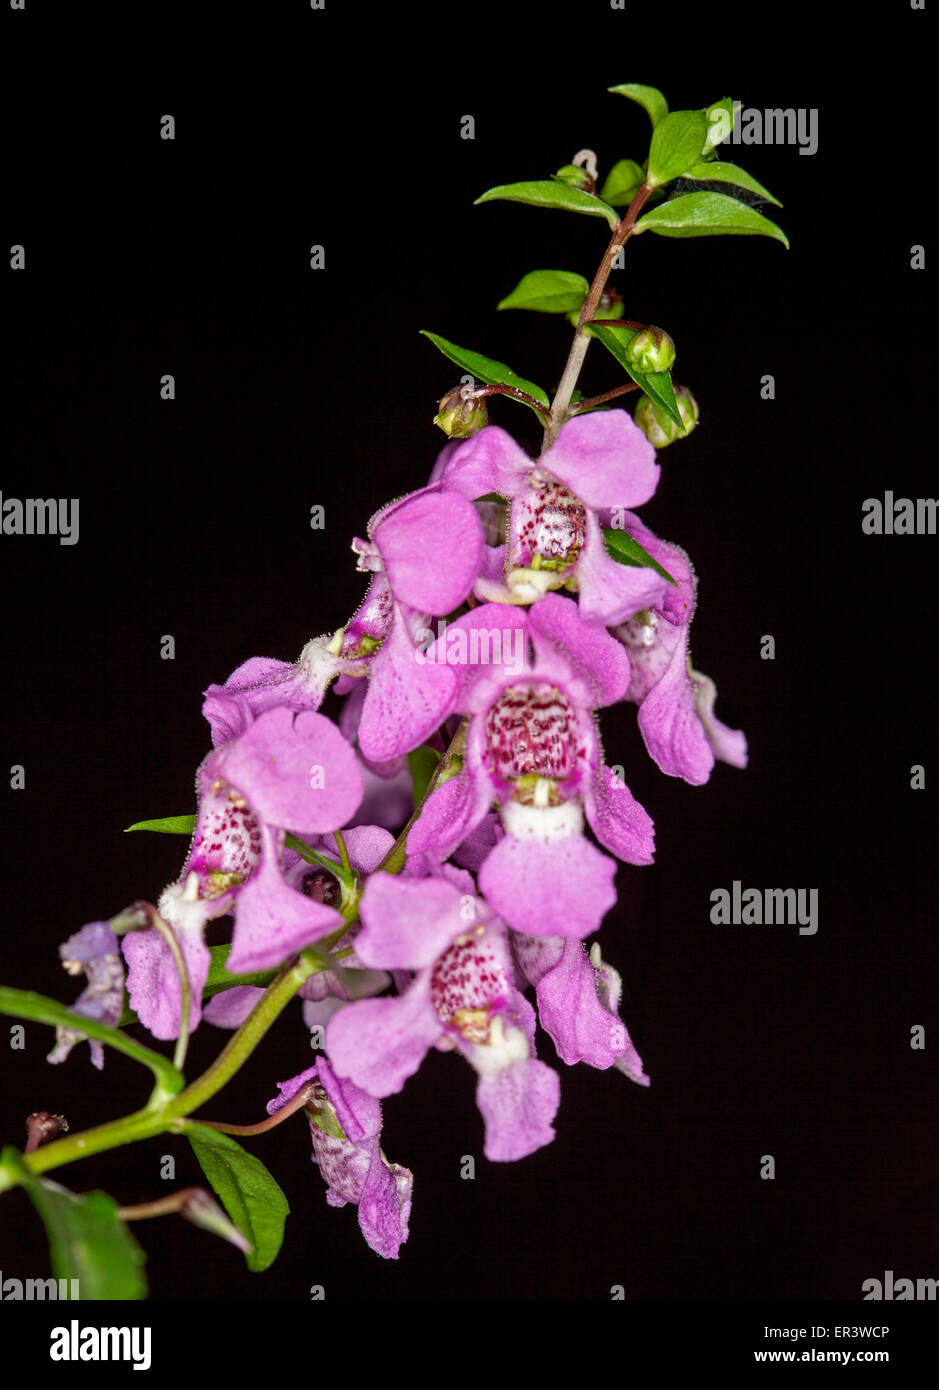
{"x":575,"y":177}
{"x":652,"y":350}
{"x":460,"y":415}
{"x":660,"y":429}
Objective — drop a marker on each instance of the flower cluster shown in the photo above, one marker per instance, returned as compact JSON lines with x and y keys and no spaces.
{"x":471,"y":928}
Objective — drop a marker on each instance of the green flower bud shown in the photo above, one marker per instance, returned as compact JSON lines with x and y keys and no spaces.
{"x":652,"y":350}
{"x":660,"y":429}
{"x":460,"y":415}
{"x":576,"y":177}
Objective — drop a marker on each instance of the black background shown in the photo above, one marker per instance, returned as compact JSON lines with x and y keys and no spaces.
{"x":296,"y":388}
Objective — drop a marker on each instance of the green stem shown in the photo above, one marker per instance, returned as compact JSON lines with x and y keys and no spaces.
{"x":243,"y":1042}
{"x":575,"y":361}
{"x":23,"y":1003}
{"x":144,"y":1124}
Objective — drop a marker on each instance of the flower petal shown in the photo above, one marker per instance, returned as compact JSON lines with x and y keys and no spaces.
{"x":557,"y":627}
{"x":407,"y":700}
{"x":153,"y":981}
{"x":605,"y":459}
{"x":611,"y":593}
{"x":669,"y":723}
{"x":272,"y":920}
{"x":431,"y":546}
{"x":408,"y":923}
{"x":547,"y":886}
{"x":379,"y":1043}
{"x":294,"y":770}
{"x":517,"y":1095}
{"x":490,"y":461}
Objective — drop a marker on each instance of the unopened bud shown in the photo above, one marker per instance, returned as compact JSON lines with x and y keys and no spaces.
{"x":575,"y":177}
{"x":652,"y":350}
{"x":660,"y":429}
{"x":460,"y":414}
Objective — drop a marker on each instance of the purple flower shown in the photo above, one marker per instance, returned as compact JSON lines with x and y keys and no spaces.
{"x":578,"y":1003}
{"x":285,"y":772}
{"x":462,"y":996}
{"x":555,"y":539}
{"x":345,"y":1125}
{"x":675,"y":702}
{"x":532,"y":747}
{"x":327,"y":990}
{"x":95,"y":951}
{"x":263,"y":683}
{"x":424,"y":551}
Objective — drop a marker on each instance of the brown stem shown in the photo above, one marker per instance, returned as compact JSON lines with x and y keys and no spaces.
{"x":621,"y":234}
{"x":591,"y":401}
{"x":41,"y":1127}
{"x":298,"y":1101}
{"x":499,"y":388}
{"x":163,"y":1206}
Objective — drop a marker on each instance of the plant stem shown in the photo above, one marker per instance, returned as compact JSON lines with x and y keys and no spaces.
{"x":575,"y":361}
{"x":591,"y":401}
{"x":143,"y":1124}
{"x":278,"y":1117}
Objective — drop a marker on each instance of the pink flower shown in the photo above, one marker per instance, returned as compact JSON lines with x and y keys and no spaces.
{"x":675,"y":702}
{"x":555,"y":539}
{"x":530,"y":683}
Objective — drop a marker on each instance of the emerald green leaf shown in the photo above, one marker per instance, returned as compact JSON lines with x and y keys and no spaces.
{"x":548,"y":291}
{"x":621,"y":183}
{"x":677,"y":142}
{"x":718,"y":172}
{"x":166,"y":825}
{"x":657,"y":385}
{"x":625,"y":551}
{"x":649,"y":98}
{"x":486,"y":369}
{"x":87,"y":1239}
{"x":249,"y":1194}
{"x":423,"y":764}
{"x":20,"y":1003}
{"x":708,"y":214}
{"x":549,"y":193}
{"x":720,"y":119}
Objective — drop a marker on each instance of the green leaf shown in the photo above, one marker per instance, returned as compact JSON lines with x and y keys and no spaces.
{"x":657,"y":385}
{"x":166,"y":825}
{"x":625,"y":551}
{"x":677,"y":142}
{"x":21,"y":1003}
{"x":719,"y":172}
{"x":423,"y":764}
{"x":720,"y":119}
{"x":486,"y":369}
{"x":649,"y":98}
{"x":249,"y":1194}
{"x":87,"y":1239}
{"x":621,"y":183}
{"x":548,"y":193}
{"x":548,"y":291}
{"x":708,"y":214}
